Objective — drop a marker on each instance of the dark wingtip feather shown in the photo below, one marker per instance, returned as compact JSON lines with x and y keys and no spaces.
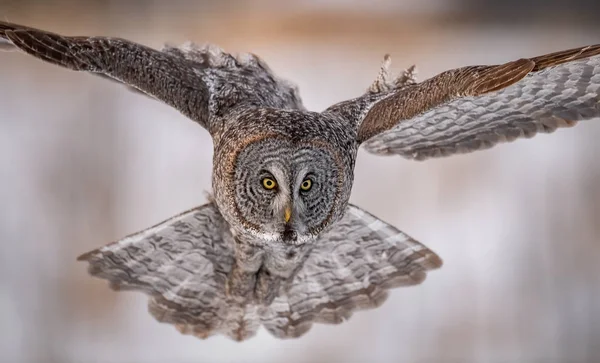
{"x":556,"y":58}
{"x":5,"y":43}
{"x":4,"y":26}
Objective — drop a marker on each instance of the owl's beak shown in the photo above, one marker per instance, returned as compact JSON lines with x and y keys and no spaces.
{"x":289,"y":234}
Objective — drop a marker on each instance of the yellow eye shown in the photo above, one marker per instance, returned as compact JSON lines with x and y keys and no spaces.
{"x":269,"y":183}
{"x":306,"y":185}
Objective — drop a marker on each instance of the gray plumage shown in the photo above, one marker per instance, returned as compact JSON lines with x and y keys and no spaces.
{"x":185,"y":263}
{"x":279,"y":245}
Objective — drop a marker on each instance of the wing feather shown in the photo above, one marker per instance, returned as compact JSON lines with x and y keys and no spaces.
{"x":477,"y":107}
{"x":183,"y":264}
{"x":351,"y":268}
{"x":203,"y":83}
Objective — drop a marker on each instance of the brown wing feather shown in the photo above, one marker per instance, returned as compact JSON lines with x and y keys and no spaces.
{"x":163,"y":76}
{"x":467,"y":81}
{"x":556,"y":58}
{"x":203,"y":83}
{"x":476,"y":107}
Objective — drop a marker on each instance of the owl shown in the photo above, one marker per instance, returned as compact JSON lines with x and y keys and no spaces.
{"x":278,"y":245}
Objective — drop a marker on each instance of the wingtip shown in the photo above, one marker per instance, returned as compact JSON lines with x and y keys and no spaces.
{"x":6,"y":27}
{"x":434,"y":261}
{"x":5,"y":43}
{"x":87,"y":256}
{"x":552,"y":59}
{"x":428,"y":259}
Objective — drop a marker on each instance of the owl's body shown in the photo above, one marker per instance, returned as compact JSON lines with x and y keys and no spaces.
{"x":289,"y":144}
{"x":279,"y":245}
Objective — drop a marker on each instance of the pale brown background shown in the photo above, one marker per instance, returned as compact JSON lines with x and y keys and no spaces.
{"x":84,"y":162}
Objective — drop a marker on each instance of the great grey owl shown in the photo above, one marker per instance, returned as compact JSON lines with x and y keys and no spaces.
{"x":278,"y":244}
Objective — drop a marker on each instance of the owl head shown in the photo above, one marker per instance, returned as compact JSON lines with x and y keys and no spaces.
{"x":278,"y":178}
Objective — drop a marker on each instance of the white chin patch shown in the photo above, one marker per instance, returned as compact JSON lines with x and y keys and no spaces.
{"x":274,"y":236}
{"x":267,"y":236}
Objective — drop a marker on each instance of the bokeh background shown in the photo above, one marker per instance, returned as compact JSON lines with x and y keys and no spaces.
{"x":84,"y":162}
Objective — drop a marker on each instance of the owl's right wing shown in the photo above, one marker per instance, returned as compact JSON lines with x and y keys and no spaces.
{"x":351,"y":268}
{"x":203,"y":83}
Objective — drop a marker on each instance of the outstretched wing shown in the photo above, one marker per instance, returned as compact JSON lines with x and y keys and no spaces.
{"x":203,"y":83}
{"x":351,"y":268}
{"x":182,"y":263}
{"x":476,"y":107}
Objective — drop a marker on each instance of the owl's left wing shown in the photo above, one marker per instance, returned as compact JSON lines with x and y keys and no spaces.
{"x":476,"y":107}
{"x":351,"y":268}
{"x":182,"y":264}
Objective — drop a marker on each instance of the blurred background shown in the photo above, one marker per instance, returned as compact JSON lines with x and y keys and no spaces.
{"x":84,"y":162}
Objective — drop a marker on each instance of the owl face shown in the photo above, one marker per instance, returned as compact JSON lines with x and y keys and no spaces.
{"x":286,"y":190}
